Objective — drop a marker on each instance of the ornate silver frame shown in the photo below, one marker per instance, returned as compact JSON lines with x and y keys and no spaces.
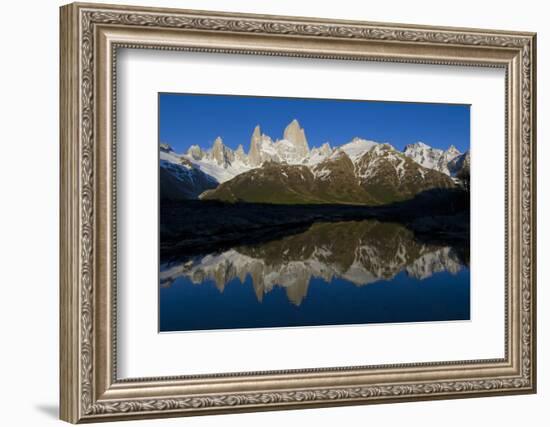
{"x":90,"y":36}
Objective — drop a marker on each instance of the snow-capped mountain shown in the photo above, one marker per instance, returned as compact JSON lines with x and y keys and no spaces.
{"x":358,"y":252}
{"x":318,"y":154}
{"x":180,"y":178}
{"x":357,"y":148}
{"x":389,"y":175}
{"x":360,"y":171}
{"x":434,"y":158}
{"x":375,"y":173}
{"x":222,"y":163}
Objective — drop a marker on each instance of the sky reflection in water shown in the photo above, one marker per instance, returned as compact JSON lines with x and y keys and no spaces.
{"x":332,"y":274}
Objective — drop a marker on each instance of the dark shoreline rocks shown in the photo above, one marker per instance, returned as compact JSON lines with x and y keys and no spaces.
{"x":197,"y":227}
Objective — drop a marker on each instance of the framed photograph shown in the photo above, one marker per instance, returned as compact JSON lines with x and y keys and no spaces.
{"x":266,"y":212}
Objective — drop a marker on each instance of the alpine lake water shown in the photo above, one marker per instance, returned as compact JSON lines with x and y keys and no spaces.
{"x":334,"y":273}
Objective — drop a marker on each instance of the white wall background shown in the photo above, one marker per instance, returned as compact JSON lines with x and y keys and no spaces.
{"x":29,"y":170}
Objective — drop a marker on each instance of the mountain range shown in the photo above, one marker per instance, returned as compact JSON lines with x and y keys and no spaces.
{"x":288,"y":171}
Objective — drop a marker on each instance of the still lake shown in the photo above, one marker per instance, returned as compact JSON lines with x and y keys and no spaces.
{"x":352,"y":272}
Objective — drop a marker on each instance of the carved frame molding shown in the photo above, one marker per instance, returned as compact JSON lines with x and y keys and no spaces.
{"x":90,"y":36}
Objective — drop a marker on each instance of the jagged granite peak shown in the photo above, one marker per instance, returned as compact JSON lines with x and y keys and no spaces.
{"x":217,"y":149}
{"x":254,"y":154}
{"x":261,"y":149}
{"x":221,"y":154}
{"x":257,"y":132}
{"x":297,"y":136}
{"x":325,"y":149}
{"x":293,"y":148}
{"x":196,"y":152}
{"x":240,"y":155}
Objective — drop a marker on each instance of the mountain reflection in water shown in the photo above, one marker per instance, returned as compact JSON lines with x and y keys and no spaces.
{"x":353,"y":252}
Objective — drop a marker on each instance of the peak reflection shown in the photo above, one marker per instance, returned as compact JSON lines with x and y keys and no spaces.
{"x":360,"y":252}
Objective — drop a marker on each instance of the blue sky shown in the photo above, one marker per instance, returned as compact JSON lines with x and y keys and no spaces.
{"x":186,"y":119}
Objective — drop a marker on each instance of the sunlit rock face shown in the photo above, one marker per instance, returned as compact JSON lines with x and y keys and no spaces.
{"x":221,"y":154}
{"x":296,"y":136}
{"x":360,"y":252}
